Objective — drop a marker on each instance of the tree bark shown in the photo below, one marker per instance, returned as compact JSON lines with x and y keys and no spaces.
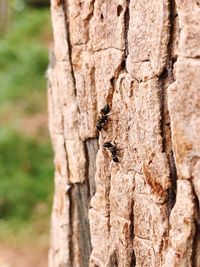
{"x":142,"y":59}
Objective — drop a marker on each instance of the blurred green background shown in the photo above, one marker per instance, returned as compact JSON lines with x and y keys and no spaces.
{"x":26,"y":158}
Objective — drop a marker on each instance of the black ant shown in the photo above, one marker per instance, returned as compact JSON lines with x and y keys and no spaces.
{"x":104,"y":117}
{"x":115,"y":158}
{"x":107,"y":145}
{"x":106,"y":109}
{"x":113,"y":149}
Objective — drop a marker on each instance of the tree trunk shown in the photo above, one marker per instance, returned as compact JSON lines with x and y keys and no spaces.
{"x":142,"y":59}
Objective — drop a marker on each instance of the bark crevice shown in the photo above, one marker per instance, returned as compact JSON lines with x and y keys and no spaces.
{"x":173,"y":176}
{"x":170,"y":66}
{"x":65,"y":11}
{"x":195,"y":244}
{"x":71,"y":205}
{"x":165,"y":79}
{"x":71,"y":218}
{"x":126,"y":24}
{"x":91,"y":148}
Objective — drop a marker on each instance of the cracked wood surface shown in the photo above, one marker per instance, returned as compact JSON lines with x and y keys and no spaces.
{"x":142,"y":58}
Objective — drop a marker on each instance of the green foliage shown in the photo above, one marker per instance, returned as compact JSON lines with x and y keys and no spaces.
{"x":24,"y":57}
{"x":26,"y":172}
{"x":26,"y":162}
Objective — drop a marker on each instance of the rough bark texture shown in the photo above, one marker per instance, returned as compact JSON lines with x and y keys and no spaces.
{"x":142,"y":58}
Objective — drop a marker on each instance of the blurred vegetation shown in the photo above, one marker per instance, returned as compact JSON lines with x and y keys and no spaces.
{"x":26,"y":165}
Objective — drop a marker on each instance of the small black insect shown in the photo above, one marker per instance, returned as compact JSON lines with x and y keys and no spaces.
{"x":107,"y":145}
{"x":101,"y":122}
{"x":113,"y":149}
{"x":99,"y":126}
{"x":104,"y":117}
{"x":115,"y":158}
{"x":105,"y":110}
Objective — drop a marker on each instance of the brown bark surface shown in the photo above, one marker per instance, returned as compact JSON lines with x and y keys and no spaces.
{"x":142,"y":58}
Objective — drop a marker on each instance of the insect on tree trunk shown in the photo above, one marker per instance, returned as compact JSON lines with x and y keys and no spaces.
{"x":142,"y":59}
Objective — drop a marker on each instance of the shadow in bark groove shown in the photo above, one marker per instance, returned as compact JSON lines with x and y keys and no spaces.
{"x":173,"y":176}
{"x":80,"y":195}
{"x":65,"y":11}
{"x":165,"y":79}
{"x":133,"y":261}
{"x":126,"y":22}
{"x":91,"y":148}
{"x":196,"y":244}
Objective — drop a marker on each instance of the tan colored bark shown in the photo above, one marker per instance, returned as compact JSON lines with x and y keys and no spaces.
{"x":142,"y":58}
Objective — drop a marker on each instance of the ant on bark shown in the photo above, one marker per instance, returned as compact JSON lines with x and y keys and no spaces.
{"x":104,"y":117}
{"x":113,"y":149}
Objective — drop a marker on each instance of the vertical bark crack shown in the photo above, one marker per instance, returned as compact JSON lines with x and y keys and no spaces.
{"x":122,"y":66}
{"x":164,"y":80}
{"x":195,"y":244}
{"x":71,"y":207}
{"x":71,"y":218}
{"x":170,"y":65}
{"x":173,"y":176}
{"x":65,"y":11}
{"x":133,"y":261}
{"x":82,"y":202}
{"x":126,"y":21}
{"x":91,"y":148}
{"x":163,"y":110}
